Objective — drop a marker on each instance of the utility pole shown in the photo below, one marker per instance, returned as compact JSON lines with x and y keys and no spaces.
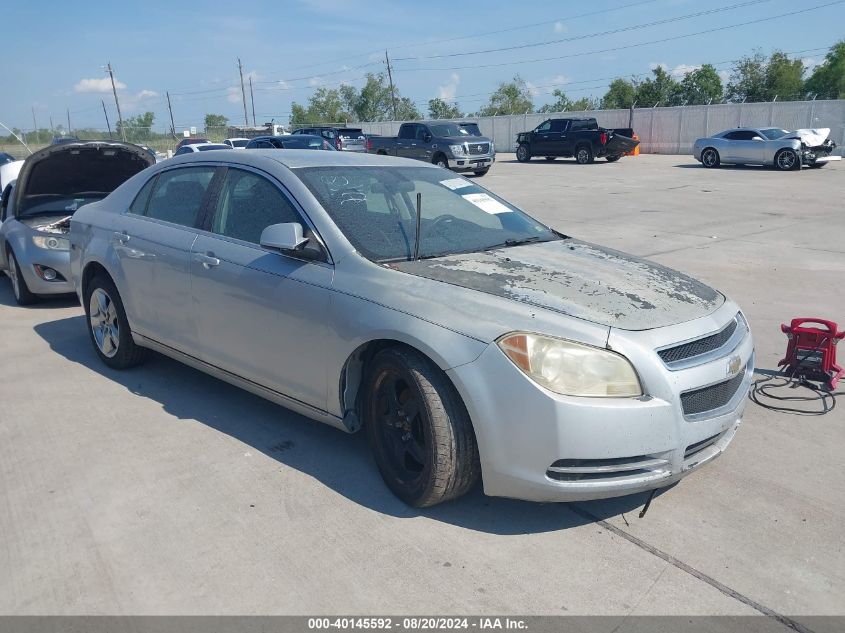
{"x":51,"y":124}
{"x":35,"y":126}
{"x":252,"y":101}
{"x":108,"y":125}
{"x":69,"y":129}
{"x":243,"y":92}
{"x":392,"y":92}
{"x":172,"y":126}
{"x":117,"y":105}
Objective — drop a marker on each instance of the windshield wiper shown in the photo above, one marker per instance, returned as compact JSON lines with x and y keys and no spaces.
{"x":512,"y":242}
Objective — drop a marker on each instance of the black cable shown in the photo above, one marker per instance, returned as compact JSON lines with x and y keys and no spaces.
{"x":762,"y":388}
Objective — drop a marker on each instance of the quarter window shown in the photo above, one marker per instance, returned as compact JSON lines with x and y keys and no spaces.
{"x":248,"y":204}
{"x":139,"y":205}
{"x":179,"y":194}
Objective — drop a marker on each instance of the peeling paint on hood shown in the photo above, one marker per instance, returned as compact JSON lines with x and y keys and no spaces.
{"x":578,"y":279}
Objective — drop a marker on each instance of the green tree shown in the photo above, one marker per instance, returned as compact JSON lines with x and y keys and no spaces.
{"x":406,"y":110}
{"x":700,"y":86}
{"x":326,"y":105}
{"x":748,"y":79}
{"x":660,"y":89}
{"x":138,"y":127}
{"x":828,"y":79}
{"x":784,"y":77}
{"x":439,"y":109}
{"x":512,"y":97}
{"x":563,"y":103}
{"x":215,"y":121}
{"x":620,"y":94}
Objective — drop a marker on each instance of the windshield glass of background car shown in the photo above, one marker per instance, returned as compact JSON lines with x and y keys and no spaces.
{"x":447,"y":129}
{"x":773,"y":133}
{"x":375,"y":208}
{"x":240,"y":143}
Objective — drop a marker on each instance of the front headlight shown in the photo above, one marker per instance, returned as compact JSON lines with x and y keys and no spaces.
{"x":51,"y":242}
{"x":457,"y":150}
{"x":571,"y":369}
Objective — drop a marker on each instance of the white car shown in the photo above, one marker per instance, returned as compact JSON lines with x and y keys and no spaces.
{"x":236,"y":143}
{"x":199,"y":147}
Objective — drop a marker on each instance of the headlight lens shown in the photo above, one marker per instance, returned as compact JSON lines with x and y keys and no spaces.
{"x":457,"y":150}
{"x":571,"y":369}
{"x":51,"y":242}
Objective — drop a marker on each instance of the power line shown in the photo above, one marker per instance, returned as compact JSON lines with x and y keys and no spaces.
{"x":628,"y":46}
{"x":574,"y":38}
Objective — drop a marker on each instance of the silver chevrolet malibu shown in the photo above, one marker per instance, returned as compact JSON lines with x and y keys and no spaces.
{"x":464,"y":337}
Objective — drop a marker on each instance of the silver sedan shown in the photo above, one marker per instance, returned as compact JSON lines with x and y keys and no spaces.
{"x":465,"y":338}
{"x":750,"y":146}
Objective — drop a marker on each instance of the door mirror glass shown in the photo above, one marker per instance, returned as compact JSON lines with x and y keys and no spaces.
{"x":286,"y":236}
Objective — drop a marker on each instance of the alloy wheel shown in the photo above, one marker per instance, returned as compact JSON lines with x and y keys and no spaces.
{"x":786,"y":160}
{"x":709,"y":158}
{"x":104,"y":322}
{"x":13,"y":277}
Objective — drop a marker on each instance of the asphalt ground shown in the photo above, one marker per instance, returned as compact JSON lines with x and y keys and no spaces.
{"x":161,"y":490}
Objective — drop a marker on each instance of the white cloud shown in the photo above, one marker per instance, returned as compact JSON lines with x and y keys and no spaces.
{"x":102,"y":84}
{"x":136,"y":101}
{"x":447,"y":92}
{"x":558,"y":80}
{"x":532,"y":89}
{"x":560,"y":27}
{"x":681,"y":70}
{"x":233,"y":94}
{"x":315,"y":81}
{"x":810,"y":63}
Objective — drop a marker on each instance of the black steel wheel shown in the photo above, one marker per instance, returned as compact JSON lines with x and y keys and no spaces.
{"x":418,"y":429}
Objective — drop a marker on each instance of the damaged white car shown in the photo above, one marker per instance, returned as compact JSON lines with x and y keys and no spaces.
{"x":52,"y":184}
{"x":784,"y":150}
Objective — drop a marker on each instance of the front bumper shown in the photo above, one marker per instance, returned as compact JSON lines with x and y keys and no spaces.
{"x":32,"y":259}
{"x":541,"y":446}
{"x":471,"y":162}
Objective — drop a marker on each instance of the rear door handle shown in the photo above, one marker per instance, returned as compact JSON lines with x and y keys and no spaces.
{"x":120,"y":238}
{"x":207,"y":261}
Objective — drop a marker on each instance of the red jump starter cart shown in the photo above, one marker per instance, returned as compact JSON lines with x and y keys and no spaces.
{"x":811,"y":351}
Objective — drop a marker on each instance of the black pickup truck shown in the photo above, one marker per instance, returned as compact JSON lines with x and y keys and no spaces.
{"x":581,"y":138}
{"x":440,"y":142}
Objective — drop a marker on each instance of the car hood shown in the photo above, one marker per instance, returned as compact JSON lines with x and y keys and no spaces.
{"x":69,"y":170}
{"x":581,"y":280}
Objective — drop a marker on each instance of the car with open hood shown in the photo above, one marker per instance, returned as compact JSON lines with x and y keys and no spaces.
{"x":465,"y":338}
{"x":52,"y":185}
{"x":769,"y":146}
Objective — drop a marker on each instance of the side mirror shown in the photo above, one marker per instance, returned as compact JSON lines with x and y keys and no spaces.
{"x":427,"y":138}
{"x":756,"y":138}
{"x":283,"y":237}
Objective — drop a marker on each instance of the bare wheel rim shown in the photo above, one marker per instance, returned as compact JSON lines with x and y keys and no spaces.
{"x":104,"y":324}
{"x":583,"y":155}
{"x":13,"y":277}
{"x":786,"y":160}
{"x":399,"y":419}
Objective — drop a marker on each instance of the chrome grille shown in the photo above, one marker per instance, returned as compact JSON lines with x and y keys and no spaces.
{"x":479,"y":148}
{"x":712,"y":397}
{"x":698,"y":346}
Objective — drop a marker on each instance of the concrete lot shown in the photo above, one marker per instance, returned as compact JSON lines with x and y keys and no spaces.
{"x":163,"y":491}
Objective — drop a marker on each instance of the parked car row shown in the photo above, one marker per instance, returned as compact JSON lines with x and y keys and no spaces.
{"x":465,"y":338}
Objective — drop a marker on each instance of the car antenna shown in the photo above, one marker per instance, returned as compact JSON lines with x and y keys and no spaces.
{"x":417,"y":239}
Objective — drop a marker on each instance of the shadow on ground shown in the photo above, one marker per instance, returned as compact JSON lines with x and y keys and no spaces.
{"x":57,"y":301}
{"x":340,"y":461}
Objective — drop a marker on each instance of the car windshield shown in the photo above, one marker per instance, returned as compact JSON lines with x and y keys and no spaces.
{"x":375,"y":208}
{"x":350,"y":132}
{"x":448,"y":129}
{"x":773,"y":133}
{"x":471,"y":128}
{"x":305,"y":142}
{"x":240,"y":142}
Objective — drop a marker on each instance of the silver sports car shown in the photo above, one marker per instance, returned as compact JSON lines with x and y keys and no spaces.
{"x":466,"y":338}
{"x":771,"y":146}
{"x":52,"y":185}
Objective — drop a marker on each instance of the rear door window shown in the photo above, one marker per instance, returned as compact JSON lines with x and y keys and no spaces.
{"x":179,"y":194}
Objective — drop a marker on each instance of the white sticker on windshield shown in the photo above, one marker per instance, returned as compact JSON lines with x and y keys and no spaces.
{"x":486,"y":203}
{"x":455,"y":183}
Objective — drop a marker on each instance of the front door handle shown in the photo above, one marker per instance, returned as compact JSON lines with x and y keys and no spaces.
{"x":120,"y":238}
{"x":207,"y":261}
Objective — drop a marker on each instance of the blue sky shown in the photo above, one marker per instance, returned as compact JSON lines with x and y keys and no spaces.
{"x":190,"y":48}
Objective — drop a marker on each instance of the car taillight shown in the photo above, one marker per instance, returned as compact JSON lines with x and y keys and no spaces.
{"x":337,"y":143}
{"x":369,"y":144}
{"x":603,"y":138}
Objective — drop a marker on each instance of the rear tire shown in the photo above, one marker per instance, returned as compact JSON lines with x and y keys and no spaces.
{"x":583,"y":155}
{"x":612,"y":159}
{"x":787,"y":160}
{"x":418,"y":429}
{"x":710,"y":158}
{"x":23,"y":297}
{"x":481,"y":172}
{"x":108,"y":326}
{"x":523,"y":153}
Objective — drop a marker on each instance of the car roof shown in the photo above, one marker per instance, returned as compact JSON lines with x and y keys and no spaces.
{"x":295,"y":158}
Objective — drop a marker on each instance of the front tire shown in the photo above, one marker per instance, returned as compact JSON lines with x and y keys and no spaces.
{"x":710,"y":158}
{"x":481,"y":172}
{"x":584,"y":155}
{"x":418,"y":429}
{"x":441,"y":161}
{"x":108,"y":326}
{"x":523,"y":153}
{"x":787,"y":160}
{"x":23,"y":297}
